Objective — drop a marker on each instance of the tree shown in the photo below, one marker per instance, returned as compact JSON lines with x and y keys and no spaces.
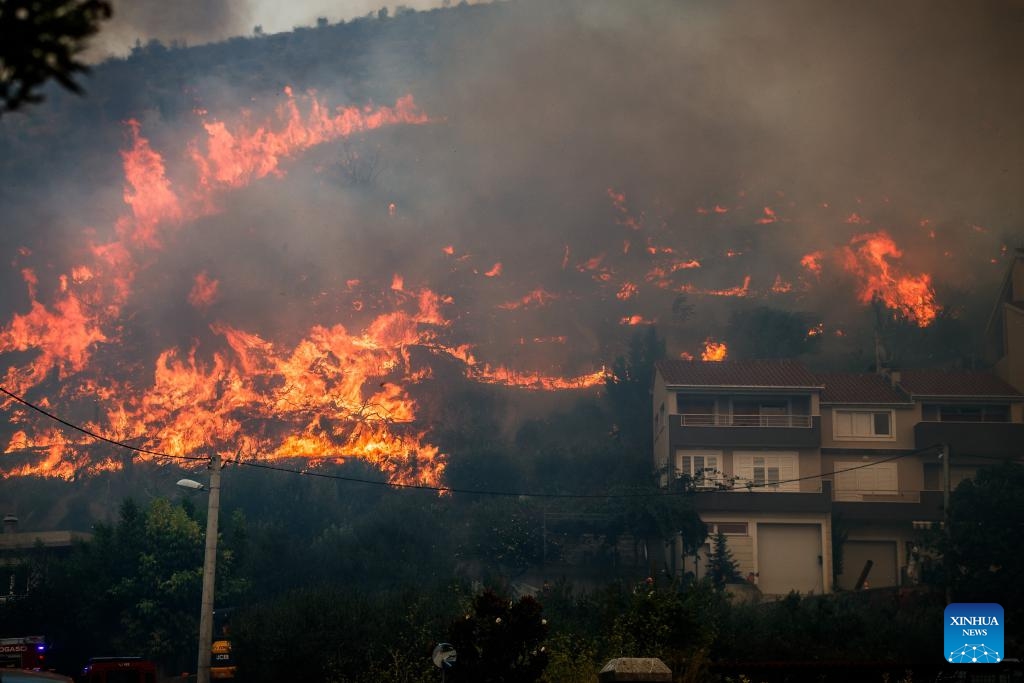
{"x":500,"y":640}
{"x":722,"y":568}
{"x":40,"y":40}
{"x":765,"y":332}
{"x":629,"y":391}
{"x":982,"y":549}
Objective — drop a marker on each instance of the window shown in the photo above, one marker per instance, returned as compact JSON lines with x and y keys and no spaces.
{"x":965,"y":413}
{"x":696,"y":410}
{"x":863,"y":424}
{"x":854,"y":480}
{"x":701,"y":467}
{"x":767,"y":471}
{"x":727,"y":528}
{"x":761,"y":413}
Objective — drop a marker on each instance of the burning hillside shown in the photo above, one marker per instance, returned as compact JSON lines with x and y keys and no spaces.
{"x":276,"y":275}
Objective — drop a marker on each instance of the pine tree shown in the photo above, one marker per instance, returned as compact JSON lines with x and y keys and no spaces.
{"x":721,"y":567}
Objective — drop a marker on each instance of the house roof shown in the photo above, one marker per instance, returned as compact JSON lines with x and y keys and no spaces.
{"x":780,"y":374}
{"x":849,"y":387}
{"x":956,"y":383}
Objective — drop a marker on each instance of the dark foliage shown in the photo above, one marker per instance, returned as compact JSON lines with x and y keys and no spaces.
{"x":763,"y":333}
{"x":500,"y":641}
{"x":981,"y":552}
{"x":629,"y":390}
{"x":39,"y":41}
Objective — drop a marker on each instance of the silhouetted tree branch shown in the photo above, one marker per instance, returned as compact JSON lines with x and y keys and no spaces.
{"x":39,"y":41}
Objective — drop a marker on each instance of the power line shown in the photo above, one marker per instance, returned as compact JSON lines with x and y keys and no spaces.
{"x":442,"y":489}
{"x":94,"y":435}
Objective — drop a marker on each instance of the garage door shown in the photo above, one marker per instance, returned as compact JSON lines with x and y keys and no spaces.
{"x":788,"y":558}
{"x":883,"y":569}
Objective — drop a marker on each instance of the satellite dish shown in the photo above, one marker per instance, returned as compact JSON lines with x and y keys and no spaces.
{"x":444,"y":655}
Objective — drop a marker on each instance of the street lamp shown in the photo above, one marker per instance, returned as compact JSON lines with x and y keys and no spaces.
{"x":209,"y":566}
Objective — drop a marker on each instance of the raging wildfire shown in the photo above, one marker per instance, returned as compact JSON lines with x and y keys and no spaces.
{"x":444,"y":249}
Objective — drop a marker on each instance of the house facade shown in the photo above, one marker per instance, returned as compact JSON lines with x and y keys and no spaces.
{"x":824,"y":481}
{"x":748,"y":434}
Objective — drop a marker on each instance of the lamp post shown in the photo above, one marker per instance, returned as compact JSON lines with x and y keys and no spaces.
{"x":209,"y":567}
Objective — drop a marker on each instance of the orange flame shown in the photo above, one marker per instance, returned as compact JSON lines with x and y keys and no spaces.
{"x":204,"y":291}
{"x":714,"y":351}
{"x":812,"y":262}
{"x":627,"y":291}
{"x":538,"y":297}
{"x":869,"y":257}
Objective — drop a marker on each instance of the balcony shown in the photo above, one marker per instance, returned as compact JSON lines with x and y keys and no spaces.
{"x":720,"y":420}
{"x":723,"y":430}
{"x":924,"y":506}
{"x":740,"y":500}
{"x":989,"y":439}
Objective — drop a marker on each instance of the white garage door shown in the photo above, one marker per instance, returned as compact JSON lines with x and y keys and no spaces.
{"x":789,"y":558}
{"x":883,"y":563}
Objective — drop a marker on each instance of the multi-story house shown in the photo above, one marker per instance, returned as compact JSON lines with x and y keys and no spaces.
{"x":17,"y":549}
{"x":868,"y":452}
{"x":809,"y":473}
{"x":749,"y":434}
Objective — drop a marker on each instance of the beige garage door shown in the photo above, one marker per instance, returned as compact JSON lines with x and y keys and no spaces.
{"x":789,"y":558}
{"x":883,"y":569}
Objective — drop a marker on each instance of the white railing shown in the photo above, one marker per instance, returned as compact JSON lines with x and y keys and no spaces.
{"x":724,"y":420}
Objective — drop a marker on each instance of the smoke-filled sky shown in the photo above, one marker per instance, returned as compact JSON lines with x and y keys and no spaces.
{"x":289,"y":241}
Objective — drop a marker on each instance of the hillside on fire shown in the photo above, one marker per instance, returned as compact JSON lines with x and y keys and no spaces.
{"x":659,"y":320}
{"x":260,"y":244}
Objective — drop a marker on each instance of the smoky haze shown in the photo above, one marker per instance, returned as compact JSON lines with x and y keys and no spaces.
{"x":610,"y":156}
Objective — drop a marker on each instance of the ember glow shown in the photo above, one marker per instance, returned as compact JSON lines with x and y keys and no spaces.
{"x":873,"y":258}
{"x":714,"y":351}
{"x":325,"y":397}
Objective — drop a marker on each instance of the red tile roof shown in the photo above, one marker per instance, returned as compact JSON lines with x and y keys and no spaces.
{"x":747,"y":373}
{"x":955,"y":383}
{"x":863,"y":387}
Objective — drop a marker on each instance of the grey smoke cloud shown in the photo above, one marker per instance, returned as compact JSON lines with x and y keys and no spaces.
{"x":905,"y":115}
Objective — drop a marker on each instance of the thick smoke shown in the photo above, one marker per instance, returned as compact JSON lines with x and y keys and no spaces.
{"x":188,"y":22}
{"x":612,"y":157}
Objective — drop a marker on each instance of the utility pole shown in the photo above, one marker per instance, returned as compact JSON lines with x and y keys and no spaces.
{"x":209,"y":573}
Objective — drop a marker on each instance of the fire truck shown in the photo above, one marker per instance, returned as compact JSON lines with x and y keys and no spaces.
{"x":27,"y":652}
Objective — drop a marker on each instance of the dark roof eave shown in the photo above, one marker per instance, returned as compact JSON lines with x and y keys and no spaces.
{"x":806,"y":387}
{"x":903,"y":404}
{"x":971,"y":397}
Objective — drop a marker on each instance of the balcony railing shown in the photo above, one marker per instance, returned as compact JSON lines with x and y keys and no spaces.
{"x":723,"y":420}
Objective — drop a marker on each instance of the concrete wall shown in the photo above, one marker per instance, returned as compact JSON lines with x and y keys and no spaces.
{"x":1011,"y":366}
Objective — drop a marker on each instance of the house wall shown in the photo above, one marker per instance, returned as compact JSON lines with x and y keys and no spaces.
{"x":1011,"y":366}
{"x":867,"y":540}
{"x":904,"y":419}
{"x":749,"y":556}
{"x":957,"y":473}
{"x":661,"y":397}
{"x":909,"y":472}
{"x":808,"y":464}
{"x":1017,"y":278}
